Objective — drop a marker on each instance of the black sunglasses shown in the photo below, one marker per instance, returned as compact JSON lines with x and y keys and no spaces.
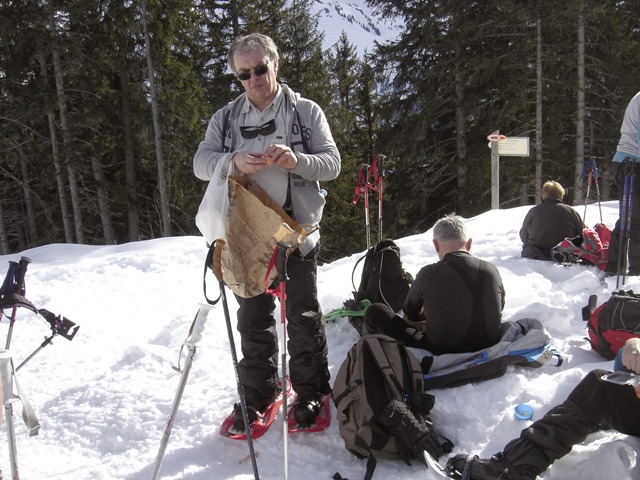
{"x":258,"y":72}
{"x":253,"y":131}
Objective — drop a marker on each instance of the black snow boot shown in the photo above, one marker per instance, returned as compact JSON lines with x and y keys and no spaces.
{"x":471,"y":467}
{"x":306,"y":411}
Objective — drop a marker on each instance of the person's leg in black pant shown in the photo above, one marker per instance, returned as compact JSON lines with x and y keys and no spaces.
{"x":258,"y":368}
{"x":592,"y":402}
{"x":379,"y":318}
{"x":307,"y":342}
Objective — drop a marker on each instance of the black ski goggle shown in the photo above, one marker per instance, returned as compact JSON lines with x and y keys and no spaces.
{"x":257,"y":72}
{"x":253,"y":131}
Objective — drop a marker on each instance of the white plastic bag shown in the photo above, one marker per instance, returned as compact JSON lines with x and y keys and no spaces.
{"x":212,"y":212}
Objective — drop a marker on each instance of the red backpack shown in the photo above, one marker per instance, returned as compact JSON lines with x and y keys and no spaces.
{"x":590,"y":248}
{"x":611,"y":324}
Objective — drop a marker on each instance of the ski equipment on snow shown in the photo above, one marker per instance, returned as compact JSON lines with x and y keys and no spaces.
{"x":278,"y":289}
{"x":12,"y":296}
{"x":323,"y":420}
{"x":625,"y":221}
{"x":370,"y":178}
{"x":590,"y":248}
{"x":263,"y":422}
{"x":214,"y":260}
{"x":591,"y":170}
{"x":194,"y":336}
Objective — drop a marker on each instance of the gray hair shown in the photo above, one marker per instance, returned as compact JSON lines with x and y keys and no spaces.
{"x":250,"y":42}
{"x":450,"y":228}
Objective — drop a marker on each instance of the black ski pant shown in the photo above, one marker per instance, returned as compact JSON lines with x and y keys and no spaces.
{"x":634,"y":224}
{"x":592,"y":402}
{"x":307,"y":343}
{"x":380,"y":319}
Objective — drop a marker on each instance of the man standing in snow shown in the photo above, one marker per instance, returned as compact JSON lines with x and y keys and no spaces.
{"x":593,"y":403}
{"x":283,"y":142}
{"x":456,"y":304}
{"x":627,"y":147}
{"x":548,"y":223}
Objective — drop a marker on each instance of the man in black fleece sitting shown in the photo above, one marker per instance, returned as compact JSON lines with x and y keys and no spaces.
{"x":453,"y":306}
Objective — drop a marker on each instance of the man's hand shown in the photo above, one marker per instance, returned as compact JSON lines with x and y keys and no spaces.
{"x":281,"y":156}
{"x":631,"y":354}
{"x":249,"y":162}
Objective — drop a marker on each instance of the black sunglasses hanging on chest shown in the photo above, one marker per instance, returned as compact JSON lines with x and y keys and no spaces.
{"x":253,"y":131}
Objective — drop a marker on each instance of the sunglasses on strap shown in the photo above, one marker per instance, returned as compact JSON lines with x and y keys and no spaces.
{"x":264,"y":129}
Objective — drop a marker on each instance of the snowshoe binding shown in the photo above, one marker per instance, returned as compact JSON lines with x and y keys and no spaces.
{"x":309,"y":415}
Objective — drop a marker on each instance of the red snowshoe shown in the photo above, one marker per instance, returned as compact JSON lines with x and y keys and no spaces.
{"x":262,"y":423}
{"x":323,"y":420}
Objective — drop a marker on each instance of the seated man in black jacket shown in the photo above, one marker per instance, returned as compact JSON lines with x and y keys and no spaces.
{"x":548,"y":223}
{"x":453,"y":306}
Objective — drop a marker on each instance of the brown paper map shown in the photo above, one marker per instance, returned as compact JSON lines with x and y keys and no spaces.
{"x":255,"y":224}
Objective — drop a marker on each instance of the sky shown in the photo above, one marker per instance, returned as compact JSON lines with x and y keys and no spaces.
{"x":103,"y":399}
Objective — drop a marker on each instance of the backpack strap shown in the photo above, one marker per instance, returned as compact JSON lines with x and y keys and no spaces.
{"x":385,"y":249}
{"x":208,"y":264}
{"x":353,"y":272}
{"x":382,"y":362}
{"x":371,"y":466}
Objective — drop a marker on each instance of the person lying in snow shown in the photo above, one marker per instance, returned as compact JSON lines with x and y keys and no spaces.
{"x":592,"y":405}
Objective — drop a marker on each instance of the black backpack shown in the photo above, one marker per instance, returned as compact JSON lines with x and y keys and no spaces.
{"x":383,"y":280}
{"x":382,"y":409}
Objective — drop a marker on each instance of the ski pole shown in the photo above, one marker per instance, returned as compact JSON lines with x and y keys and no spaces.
{"x":587,"y":169}
{"x":7,"y":376}
{"x":217,"y":271}
{"x":14,"y":286}
{"x":195,"y":334}
{"x":60,"y":325}
{"x":380,"y":176}
{"x":595,"y":176}
{"x":277,"y":289}
{"x":361,"y":187}
{"x":18,"y":289}
{"x":625,"y":220}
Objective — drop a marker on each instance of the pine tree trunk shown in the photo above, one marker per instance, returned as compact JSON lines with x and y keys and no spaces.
{"x":539,"y":93}
{"x":461,"y":127}
{"x":66,"y":137}
{"x":57,"y":164}
{"x":580,"y":111}
{"x":4,"y":237}
{"x":32,"y":230}
{"x":103,"y":201}
{"x":130,"y":171}
{"x":162,"y":183}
